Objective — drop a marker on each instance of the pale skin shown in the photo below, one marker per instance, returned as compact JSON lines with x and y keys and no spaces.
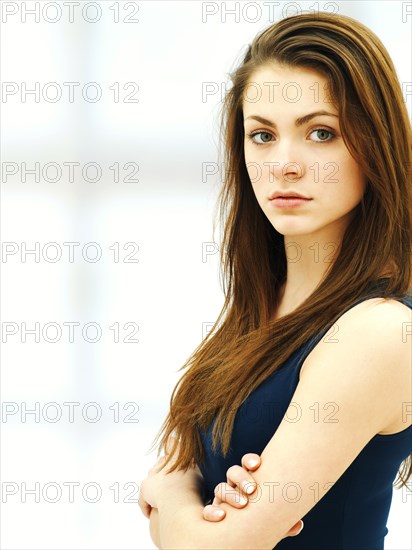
{"x":370,"y":348}
{"x":236,"y":491}
{"x":240,"y":485}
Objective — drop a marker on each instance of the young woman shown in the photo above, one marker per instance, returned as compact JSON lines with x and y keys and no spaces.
{"x":311,"y":366}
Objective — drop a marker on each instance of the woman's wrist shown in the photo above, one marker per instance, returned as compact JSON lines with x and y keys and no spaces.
{"x":181,"y":488}
{"x":154,"y":527}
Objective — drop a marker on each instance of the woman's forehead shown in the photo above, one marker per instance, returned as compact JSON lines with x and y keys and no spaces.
{"x":285,"y":87}
{"x":280,"y":72}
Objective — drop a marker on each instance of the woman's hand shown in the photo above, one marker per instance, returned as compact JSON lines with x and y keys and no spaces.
{"x":147,"y":497}
{"x":144,"y":504}
{"x":159,"y":481}
{"x":240,"y":485}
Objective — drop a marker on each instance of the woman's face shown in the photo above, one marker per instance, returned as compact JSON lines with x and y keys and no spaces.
{"x":299,"y":149}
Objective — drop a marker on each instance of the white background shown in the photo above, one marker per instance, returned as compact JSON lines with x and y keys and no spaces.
{"x":170,"y":49}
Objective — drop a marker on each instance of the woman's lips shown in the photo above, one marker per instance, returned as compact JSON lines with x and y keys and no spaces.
{"x":289,"y":202}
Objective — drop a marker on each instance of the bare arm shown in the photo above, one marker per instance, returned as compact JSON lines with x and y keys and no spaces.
{"x":186,"y":490}
{"x":154,"y":527}
{"x":193,"y":481}
{"x":376,"y":363}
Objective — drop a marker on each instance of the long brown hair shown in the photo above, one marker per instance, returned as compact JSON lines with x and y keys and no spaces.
{"x":245,"y":345}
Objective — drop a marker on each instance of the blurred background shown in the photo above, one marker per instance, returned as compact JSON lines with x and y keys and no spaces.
{"x":110,"y":275}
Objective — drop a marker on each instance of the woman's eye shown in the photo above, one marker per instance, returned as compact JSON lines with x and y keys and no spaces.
{"x":264,"y":136}
{"x":322,"y":135}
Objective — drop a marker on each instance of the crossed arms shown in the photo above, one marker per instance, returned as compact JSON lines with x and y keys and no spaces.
{"x":367,"y":363}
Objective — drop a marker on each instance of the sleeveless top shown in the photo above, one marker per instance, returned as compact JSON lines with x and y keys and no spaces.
{"x":352,"y":515}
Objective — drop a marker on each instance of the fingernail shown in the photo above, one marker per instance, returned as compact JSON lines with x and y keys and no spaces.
{"x":219,"y":513}
{"x":301,"y":528}
{"x":249,"y":487}
{"x":242,"y":500}
{"x":253,"y":462}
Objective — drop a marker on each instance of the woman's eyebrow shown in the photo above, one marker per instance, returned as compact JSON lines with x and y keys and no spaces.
{"x":298,"y":122}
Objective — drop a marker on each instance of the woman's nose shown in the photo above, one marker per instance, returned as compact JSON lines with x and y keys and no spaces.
{"x":284,"y":164}
{"x":289,"y":170}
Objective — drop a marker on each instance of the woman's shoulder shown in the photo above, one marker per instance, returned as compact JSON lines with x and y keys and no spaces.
{"x":370,"y":324}
{"x":382,"y":311}
{"x":374,"y":317}
{"x":390,"y":317}
{"x":376,"y":334}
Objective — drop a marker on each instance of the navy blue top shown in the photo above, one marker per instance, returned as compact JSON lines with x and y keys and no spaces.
{"x":352,"y":515}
